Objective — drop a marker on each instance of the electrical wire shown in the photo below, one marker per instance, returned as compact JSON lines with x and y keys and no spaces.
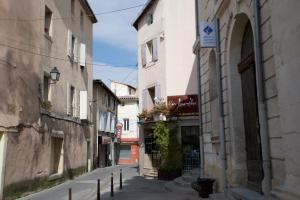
{"x":61,"y":18}
{"x":57,"y":58}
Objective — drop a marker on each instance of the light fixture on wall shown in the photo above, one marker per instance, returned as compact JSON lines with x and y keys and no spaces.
{"x":54,"y":74}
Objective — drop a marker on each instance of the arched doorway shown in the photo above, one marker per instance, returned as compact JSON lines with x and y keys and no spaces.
{"x":246,"y":69}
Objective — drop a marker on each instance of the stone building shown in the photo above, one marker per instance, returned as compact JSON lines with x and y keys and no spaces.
{"x":105,"y":112}
{"x":128,"y":112}
{"x":249,"y":97}
{"x":167,"y":72}
{"x":44,"y":123}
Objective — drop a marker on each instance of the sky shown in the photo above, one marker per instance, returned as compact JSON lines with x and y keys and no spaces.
{"x":115,"y":43}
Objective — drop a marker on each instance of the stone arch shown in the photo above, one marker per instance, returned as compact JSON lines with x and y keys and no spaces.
{"x":238,"y":169}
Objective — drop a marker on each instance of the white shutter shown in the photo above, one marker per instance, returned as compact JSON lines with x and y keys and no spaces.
{"x":157,"y":91}
{"x":68,"y":99}
{"x":83,"y":104}
{"x":107,"y":128}
{"x":69,"y":44}
{"x":75,"y":53}
{"x":143,"y":54}
{"x":112,"y":127}
{"x":82,"y":54}
{"x":155,"y":50}
{"x":98,"y":120}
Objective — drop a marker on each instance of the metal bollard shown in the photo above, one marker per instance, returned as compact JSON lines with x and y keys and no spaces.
{"x":121,"y":184}
{"x":112,"y":185}
{"x":70,"y":194}
{"x":98,"y":190}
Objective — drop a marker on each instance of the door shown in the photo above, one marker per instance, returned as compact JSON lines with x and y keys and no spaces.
{"x":250,"y":112}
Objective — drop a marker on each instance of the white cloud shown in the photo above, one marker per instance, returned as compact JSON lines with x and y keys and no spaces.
{"x":116,"y":28}
{"x":120,"y":74}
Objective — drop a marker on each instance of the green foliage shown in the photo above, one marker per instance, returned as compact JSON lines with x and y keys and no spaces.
{"x":165,"y":135}
{"x":46,"y":105}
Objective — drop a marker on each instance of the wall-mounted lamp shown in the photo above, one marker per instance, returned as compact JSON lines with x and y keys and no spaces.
{"x":54,"y":74}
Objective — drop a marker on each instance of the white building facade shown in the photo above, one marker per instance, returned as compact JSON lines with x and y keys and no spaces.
{"x":127,"y":117}
{"x":167,"y":70}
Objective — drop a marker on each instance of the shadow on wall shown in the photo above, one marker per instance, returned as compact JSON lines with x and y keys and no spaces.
{"x":192,"y":86}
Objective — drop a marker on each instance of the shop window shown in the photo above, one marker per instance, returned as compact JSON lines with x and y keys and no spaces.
{"x":125,"y":151}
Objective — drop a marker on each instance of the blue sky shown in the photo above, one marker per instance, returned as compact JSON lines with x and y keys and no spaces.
{"x":115,"y":41}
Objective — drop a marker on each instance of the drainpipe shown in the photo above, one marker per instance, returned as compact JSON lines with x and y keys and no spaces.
{"x":199,"y":94}
{"x":266,"y":184}
{"x":221,"y":109}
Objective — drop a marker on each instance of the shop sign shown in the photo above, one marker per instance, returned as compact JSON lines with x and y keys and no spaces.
{"x":184,"y":104}
{"x":207,"y":35}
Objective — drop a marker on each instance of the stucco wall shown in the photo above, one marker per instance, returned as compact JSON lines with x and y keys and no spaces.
{"x":232,"y":22}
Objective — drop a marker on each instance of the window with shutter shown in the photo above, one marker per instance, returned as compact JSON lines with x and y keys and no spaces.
{"x":143,"y":52}
{"x":83,"y":105}
{"x":48,"y":22}
{"x":69,"y":44}
{"x":157,"y":92}
{"x":154,"y":50}
{"x":82,"y":55}
{"x":68,"y":99}
{"x":75,"y":50}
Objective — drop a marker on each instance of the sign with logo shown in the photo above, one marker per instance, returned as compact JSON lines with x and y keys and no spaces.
{"x":186,"y":105}
{"x":207,"y":35}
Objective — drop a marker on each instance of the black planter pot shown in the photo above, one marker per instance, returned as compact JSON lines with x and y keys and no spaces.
{"x":168,"y":175}
{"x":204,"y":186}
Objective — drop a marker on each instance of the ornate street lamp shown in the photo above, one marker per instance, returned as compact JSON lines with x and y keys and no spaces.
{"x":54,"y":74}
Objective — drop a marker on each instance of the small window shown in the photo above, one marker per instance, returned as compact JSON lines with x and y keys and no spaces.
{"x":149,"y":51}
{"x":46,"y":93}
{"x":151,"y":92}
{"x":150,"y":19}
{"x":81,"y":21}
{"x":48,"y":21}
{"x":73,"y":46}
{"x":73,"y":7}
{"x":72,"y":101}
{"x":126,"y":124}
{"x":57,"y":156}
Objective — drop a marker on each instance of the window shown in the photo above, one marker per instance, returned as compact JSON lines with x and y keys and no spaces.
{"x":108,"y":101}
{"x":126,"y":124}
{"x":72,"y":47}
{"x":81,"y":21}
{"x":152,"y":95}
{"x":150,"y":146}
{"x":149,"y":52}
{"x":73,"y":7}
{"x":46,"y":94}
{"x":48,"y":21}
{"x":72,"y":101}
{"x":150,"y":19}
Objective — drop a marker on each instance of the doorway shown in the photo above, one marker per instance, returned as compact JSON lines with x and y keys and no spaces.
{"x":250,"y":111}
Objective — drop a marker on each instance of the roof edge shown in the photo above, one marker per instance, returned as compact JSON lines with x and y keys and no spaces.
{"x":98,"y":81}
{"x":146,"y":7}
{"x":85,"y":4}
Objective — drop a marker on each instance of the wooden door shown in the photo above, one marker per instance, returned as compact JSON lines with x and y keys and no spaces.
{"x":250,"y":111}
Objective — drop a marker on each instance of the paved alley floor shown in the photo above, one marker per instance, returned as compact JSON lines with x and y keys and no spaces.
{"x":134,"y":187}
{"x":138,"y":188}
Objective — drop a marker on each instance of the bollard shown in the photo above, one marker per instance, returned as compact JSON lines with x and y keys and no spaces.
{"x":98,"y":190}
{"x":112,"y":185}
{"x":121,"y":184}
{"x":70,"y":194}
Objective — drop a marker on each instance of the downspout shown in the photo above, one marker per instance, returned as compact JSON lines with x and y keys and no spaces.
{"x":266,"y":184}
{"x":201,"y":146}
{"x":221,"y":109}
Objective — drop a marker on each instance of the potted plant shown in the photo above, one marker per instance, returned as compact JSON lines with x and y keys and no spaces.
{"x":169,"y":149}
{"x":46,"y":105}
{"x":144,"y":116}
{"x":204,"y":186}
{"x":159,"y":111}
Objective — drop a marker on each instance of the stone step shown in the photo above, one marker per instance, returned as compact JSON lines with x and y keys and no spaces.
{"x":218,"y":196}
{"x":245,"y":194}
{"x":182,"y":183}
{"x":172,"y":187}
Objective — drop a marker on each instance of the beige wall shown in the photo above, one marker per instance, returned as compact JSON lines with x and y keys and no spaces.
{"x":279,"y":43}
{"x":26,"y":54}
